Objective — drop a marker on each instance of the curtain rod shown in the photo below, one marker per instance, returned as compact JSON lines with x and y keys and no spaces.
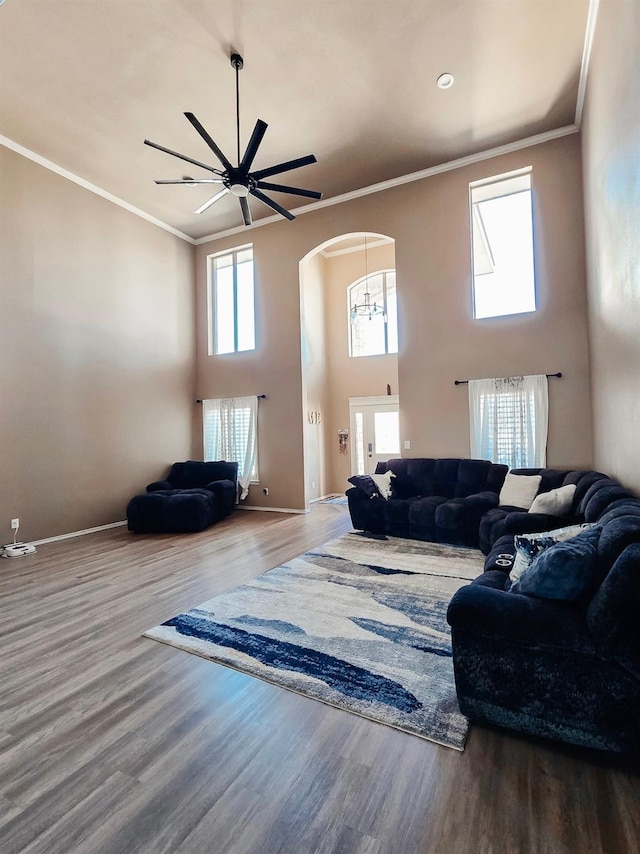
{"x":259,"y":396}
{"x":464,"y":382}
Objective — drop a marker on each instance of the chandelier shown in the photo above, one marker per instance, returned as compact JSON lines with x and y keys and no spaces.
{"x":367,"y":308}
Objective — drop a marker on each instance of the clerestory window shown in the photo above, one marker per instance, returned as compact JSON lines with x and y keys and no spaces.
{"x":231,"y":302}
{"x":373,"y":315}
{"x":502,"y":246}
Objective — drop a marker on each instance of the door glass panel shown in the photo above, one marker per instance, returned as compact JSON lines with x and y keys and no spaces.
{"x":358,"y":444}
{"x":386,"y":429}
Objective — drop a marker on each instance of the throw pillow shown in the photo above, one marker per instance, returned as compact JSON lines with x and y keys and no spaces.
{"x":519,"y":490}
{"x":383,"y":482}
{"x":565,"y":571}
{"x":529,"y":546}
{"x":556,"y":502}
{"x":365,"y":483}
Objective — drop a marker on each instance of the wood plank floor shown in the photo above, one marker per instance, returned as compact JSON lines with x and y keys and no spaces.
{"x":110,"y":742}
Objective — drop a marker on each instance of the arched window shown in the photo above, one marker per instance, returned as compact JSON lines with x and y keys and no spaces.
{"x":373,"y":315}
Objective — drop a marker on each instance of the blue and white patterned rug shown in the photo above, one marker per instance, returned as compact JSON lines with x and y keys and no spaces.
{"x":356,"y":623}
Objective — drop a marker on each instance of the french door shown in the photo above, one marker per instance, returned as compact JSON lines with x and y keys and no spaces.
{"x":375,"y":431}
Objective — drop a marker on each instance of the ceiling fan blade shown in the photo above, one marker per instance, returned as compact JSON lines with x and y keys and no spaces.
{"x":294,"y":191}
{"x":182,"y":157}
{"x":270,"y":203}
{"x":285,"y":167}
{"x":212,"y":201}
{"x":212,"y":145}
{"x":246,"y":213}
{"x":252,"y":149}
{"x":191,"y":181}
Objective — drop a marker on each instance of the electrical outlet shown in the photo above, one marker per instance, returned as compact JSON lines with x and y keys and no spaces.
{"x":407,"y":444}
{"x":15,"y":524}
{"x":266,"y":490}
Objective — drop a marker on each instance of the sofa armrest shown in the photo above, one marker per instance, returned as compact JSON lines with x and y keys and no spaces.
{"x":485,"y":608}
{"x":367,"y":514}
{"x":226,"y":493}
{"x":354,"y":493}
{"x":157,"y":485}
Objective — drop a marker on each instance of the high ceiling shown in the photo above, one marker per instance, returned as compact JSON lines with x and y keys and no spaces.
{"x":84,"y":82}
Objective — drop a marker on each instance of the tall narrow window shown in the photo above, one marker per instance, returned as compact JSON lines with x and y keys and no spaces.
{"x":230,"y":432}
{"x":502,"y":246}
{"x":508,"y":420}
{"x":373,"y":315}
{"x":232,"y":302}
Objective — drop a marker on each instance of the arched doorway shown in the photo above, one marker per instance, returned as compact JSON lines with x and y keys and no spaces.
{"x":333,"y":371}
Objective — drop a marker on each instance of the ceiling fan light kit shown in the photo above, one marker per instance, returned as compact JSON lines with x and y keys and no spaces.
{"x":239,"y":180}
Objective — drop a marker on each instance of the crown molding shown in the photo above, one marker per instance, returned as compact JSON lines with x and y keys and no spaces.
{"x":87,"y":185}
{"x":451,"y":165}
{"x":374,"y":244}
{"x":590,"y":31}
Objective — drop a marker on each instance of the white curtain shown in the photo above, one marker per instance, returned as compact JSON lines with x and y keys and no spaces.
{"x":509,"y":419}
{"x":230,"y":431}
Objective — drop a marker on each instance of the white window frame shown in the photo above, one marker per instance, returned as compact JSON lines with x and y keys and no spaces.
{"x":212,"y":299}
{"x":384,"y":273}
{"x":496,"y":187}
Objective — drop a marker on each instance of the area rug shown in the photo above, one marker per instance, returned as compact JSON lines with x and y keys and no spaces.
{"x":336,"y":498}
{"x":357,"y":623}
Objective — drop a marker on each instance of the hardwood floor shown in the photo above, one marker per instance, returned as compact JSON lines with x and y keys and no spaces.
{"x":110,"y":742}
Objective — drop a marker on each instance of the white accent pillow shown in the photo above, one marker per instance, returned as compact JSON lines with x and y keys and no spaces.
{"x":519,"y":490}
{"x":557,"y":502}
{"x":383,"y":482}
{"x":529,"y":546}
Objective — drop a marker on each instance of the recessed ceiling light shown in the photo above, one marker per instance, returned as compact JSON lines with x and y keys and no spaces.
{"x":445,"y":81}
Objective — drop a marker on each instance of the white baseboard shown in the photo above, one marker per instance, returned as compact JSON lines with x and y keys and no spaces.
{"x":72,"y":534}
{"x":270,"y":509}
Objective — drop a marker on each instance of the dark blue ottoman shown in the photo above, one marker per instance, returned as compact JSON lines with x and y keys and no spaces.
{"x":173,"y":511}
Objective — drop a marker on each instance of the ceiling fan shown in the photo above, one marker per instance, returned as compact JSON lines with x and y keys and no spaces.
{"x":239,"y":180}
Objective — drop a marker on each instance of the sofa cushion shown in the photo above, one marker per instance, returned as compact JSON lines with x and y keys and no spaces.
{"x":415,"y":475}
{"x":622,"y":507}
{"x":472,"y":477}
{"x":556,"y":502}
{"x":445,"y":477}
{"x":403,"y":486}
{"x":567,"y":570}
{"x":602,"y":498}
{"x":519,"y":490}
{"x":616,"y":536}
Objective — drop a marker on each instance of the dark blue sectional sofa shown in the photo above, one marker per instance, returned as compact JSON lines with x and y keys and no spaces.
{"x":567,"y":670}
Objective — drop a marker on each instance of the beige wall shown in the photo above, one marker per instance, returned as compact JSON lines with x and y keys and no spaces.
{"x":439,"y":340}
{"x":611,"y":151}
{"x":96,"y":353}
{"x":314,"y":373}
